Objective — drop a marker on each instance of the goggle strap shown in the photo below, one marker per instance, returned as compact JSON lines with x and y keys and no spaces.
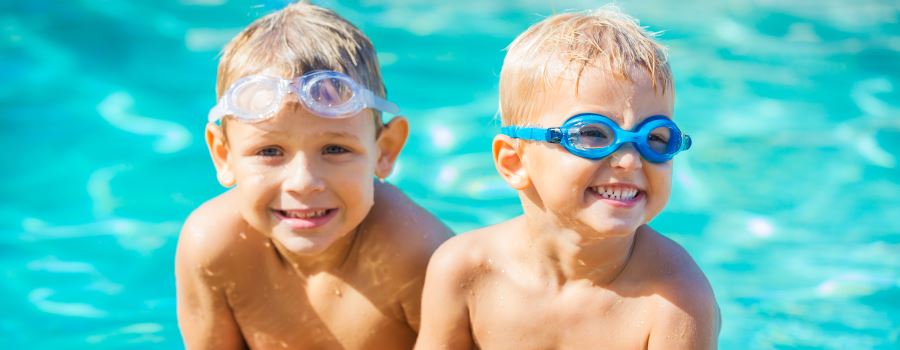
{"x":384,"y":105}
{"x":216,"y":113}
{"x":373,"y":101}
{"x":552,"y":135}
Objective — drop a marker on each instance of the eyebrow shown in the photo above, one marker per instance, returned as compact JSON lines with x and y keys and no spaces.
{"x":338,"y":134}
{"x":322,"y":134}
{"x":618,"y":119}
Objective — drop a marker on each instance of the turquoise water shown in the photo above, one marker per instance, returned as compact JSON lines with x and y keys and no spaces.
{"x":789,"y":201}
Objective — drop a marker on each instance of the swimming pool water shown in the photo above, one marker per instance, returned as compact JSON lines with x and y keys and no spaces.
{"x":789,"y":200}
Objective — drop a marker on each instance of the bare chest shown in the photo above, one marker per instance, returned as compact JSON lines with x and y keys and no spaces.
{"x":324,"y":313}
{"x":507,"y":316}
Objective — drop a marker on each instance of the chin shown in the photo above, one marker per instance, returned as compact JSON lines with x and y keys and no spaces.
{"x":611,"y":227}
{"x":303,"y":245}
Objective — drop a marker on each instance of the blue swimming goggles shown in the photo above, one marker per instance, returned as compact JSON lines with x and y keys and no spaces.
{"x":328,"y":94}
{"x":594,"y":136}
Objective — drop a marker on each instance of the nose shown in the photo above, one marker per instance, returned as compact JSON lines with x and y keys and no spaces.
{"x":301,"y":177}
{"x":626,"y":158}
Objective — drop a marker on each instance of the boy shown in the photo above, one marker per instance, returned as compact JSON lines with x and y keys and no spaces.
{"x":307,"y":250}
{"x":580,"y":269}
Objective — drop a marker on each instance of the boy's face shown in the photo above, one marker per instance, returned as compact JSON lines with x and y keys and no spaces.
{"x":569,"y":187}
{"x":305,"y":180}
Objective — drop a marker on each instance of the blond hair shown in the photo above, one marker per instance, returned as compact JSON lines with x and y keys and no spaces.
{"x":568,"y":43}
{"x":297,"y":39}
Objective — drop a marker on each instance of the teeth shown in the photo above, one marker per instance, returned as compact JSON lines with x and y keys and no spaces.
{"x":306,"y":215}
{"x":615,"y":193}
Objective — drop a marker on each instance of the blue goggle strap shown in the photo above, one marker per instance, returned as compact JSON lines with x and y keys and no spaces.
{"x":552,"y":135}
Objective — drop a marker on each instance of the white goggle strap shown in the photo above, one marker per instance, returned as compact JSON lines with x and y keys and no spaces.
{"x":217,"y":113}
{"x":369,"y":99}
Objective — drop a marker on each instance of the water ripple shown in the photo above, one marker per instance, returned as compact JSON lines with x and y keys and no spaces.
{"x":171,"y":137}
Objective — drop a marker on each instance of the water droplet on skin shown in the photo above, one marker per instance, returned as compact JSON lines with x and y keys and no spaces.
{"x":267,"y":244}
{"x":283,"y":344}
{"x":337,"y":292}
{"x":243,"y":235}
{"x":207,"y":271}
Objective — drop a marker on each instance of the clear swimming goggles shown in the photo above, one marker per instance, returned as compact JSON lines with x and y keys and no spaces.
{"x":326,"y":93}
{"x":595,"y":136}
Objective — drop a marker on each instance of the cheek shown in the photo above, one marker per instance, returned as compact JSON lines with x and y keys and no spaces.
{"x":256,"y":191}
{"x":355,"y":184}
{"x":560,"y":179}
{"x":660,"y":178}
{"x":357,"y":195}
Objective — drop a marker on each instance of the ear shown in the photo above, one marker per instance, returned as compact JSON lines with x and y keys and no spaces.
{"x":218,"y":150}
{"x":390,"y":142}
{"x":508,"y":161}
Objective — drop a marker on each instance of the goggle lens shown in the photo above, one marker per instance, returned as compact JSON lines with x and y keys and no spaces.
{"x":255,"y":98}
{"x":660,"y":140}
{"x":331,"y":92}
{"x":588,"y":136}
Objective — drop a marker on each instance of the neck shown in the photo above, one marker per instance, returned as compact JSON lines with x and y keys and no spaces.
{"x":331,"y":259}
{"x":569,"y":255}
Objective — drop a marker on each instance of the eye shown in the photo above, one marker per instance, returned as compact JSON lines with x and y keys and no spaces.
{"x":270,"y":152}
{"x":659,"y":138}
{"x":334,"y":149}
{"x":592,"y":133}
{"x":592,"y":136}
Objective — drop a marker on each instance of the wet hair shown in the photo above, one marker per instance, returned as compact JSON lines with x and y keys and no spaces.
{"x":563,"y":45}
{"x":297,"y":39}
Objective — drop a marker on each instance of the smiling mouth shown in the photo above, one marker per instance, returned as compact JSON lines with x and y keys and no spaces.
{"x":305,"y":219}
{"x":616,"y":193}
{"x":303,"y":214}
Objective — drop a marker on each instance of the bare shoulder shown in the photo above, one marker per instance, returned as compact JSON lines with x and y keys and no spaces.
{"x":454,"y":272}
{"x":668,"y":264}
{"x":204,"y":267}
{"x":463,"y":258}
{"x":393,"y":246}
{"x":213,"y":236}
{"x":398,"y":225}
{"x":685,"y":297}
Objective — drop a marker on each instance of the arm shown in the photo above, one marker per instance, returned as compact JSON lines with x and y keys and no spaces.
{"x":445,"y":313}
{"x":695,"y":326}
{"x":411,"y":294}
{"x":204,"y":317}
{"x":413,"y":239}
